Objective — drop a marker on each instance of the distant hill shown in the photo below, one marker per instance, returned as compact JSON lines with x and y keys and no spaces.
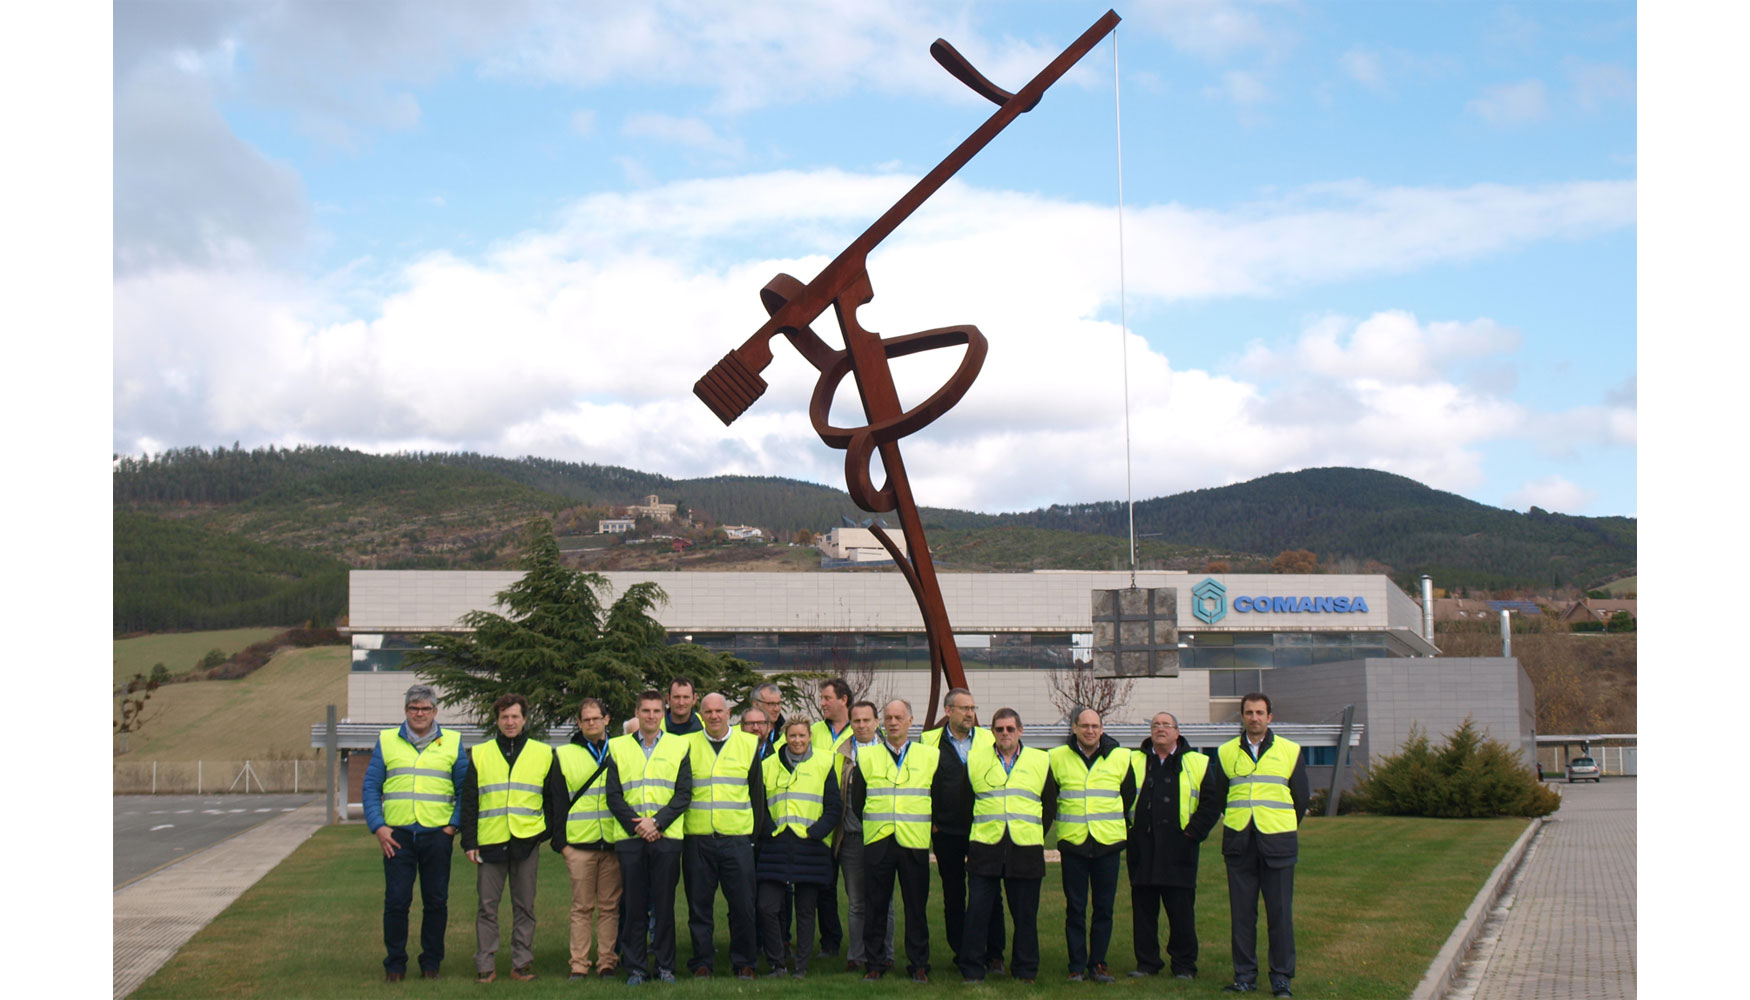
{"x":427,"y":510}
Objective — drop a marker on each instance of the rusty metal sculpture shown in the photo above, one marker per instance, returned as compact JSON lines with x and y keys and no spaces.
{"x":734,"y":383}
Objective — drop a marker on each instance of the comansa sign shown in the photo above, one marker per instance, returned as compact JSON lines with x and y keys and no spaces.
{"x":1299,"y":605}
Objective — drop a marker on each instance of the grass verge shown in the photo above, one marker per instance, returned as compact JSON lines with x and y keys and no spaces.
{"x":180,"y":651}
{"x":265,"y":715}
{"x":1375,"y":897}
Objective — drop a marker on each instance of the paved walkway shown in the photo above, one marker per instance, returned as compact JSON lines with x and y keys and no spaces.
{"x":1568,"y":927}
{"x":156,"y":915}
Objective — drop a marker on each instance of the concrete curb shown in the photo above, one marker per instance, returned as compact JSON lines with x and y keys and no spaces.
{"x":1445,"y":967}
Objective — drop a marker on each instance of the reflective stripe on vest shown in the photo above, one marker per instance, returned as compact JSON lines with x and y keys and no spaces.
{"x":1257,"y":792}
{"x":510,"y":796}
{"x":721,"y":800}
{"x":589,"y":820}
{"x":898,"y":801}
{"x":795,"y":799}
{"x":1089,"y":800}
{"x":1192,"y":767}
{"x":418,"y":787}
{"x":648,"y":783}
{"x":1008,"y":799}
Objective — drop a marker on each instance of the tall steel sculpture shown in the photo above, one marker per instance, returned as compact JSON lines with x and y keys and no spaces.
{"x":734,"y":383}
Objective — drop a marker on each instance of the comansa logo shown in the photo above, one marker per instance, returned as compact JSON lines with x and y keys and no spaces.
{"x":1209,"y":601}
{"x":1300,"y":605}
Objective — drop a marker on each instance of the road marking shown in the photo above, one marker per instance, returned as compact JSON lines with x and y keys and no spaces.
{"x":264,"y":810}
{"x":239,"y":810}
{"x":183,"y":812}
{"x":161,"y":826}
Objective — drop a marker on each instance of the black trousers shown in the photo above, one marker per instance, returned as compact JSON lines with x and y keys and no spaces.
{"x":1180,"y":902}
{"x":776,"y":897}
{"x":950,"y":851}
{"x":649,"y":873}
{"x":1247,"y":876}
{"x":987,"y":893}
{"x":425,"y":854}
{"x":708,"y":862}
{"x":883,"y":861}
{"x":1088,"y":942}
{"x":832,"y":932}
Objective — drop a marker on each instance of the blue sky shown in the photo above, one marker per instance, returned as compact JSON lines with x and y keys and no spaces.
{"x":1391,"y":235}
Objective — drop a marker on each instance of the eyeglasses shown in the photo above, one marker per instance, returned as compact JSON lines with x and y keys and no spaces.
{"x":593,"y":718}
{"x":421,"y":708}
{"x":1163,"y":725}
{"x":1004,"y":729}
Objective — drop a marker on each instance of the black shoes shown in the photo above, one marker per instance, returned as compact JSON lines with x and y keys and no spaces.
{"x":1240,"y":987}
{"x":1103,"y":974}
{"x":1281,"y":989}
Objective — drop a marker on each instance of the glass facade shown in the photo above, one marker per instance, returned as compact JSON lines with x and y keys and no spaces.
{"x":1234,"y":659}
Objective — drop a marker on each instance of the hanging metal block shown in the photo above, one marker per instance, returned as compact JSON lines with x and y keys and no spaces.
{"x":1136,"y":632}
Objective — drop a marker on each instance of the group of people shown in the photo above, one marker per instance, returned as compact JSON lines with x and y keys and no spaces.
{"x":774,"y":813}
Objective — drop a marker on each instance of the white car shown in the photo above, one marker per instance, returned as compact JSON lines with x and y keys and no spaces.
{"x":1583,"y":769}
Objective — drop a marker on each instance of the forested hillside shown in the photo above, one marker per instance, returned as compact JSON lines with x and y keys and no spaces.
{"x":170,"y":575}
{"x":466,"y":510}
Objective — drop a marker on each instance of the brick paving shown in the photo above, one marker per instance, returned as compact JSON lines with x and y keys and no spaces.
{"x":156,"y":915}
{"x":1569,"y":931}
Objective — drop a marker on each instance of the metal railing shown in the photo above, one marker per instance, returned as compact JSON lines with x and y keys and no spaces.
{"x":216,"y":777}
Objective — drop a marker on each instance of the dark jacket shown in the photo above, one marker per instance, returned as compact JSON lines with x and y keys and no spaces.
{"x":1160,"y":853}
{"x":1091,"y":848}
{"x":1277,"y":849}
{"x":693,"y":724}
{"x":516,"y":848}
{"x":559,"y":799}
{"x":1005,"y":858}
{"x":956,"y":818}
{"x":787,"y":857}
{"x":668,"y":814}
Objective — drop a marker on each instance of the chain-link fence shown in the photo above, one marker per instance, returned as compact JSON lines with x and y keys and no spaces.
{"x":211,"y":777}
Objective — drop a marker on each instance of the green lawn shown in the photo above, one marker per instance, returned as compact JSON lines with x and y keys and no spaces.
{"x":180,"y":650}
{"x":1375,"y":898}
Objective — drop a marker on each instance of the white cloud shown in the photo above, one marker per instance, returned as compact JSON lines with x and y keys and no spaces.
{"x":583,"y":342}
{"x":583,"y":122}
{"x":694,"y":133}
{"x":1511,"y":104}
{"x":1213,"y":29}
{"x":1552,"y":493}
{"x":1363,"y":66}
{"x":1241,"y":88}
{"x":1598,"y":84}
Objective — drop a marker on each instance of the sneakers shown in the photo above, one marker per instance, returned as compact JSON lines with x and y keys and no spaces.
{"x":920,"y":976}
{"x":635,"y":979}
{"x":1239,"y":986}
{"x":1280,"y":989}
{"x":525,"y":973}
{"x":1076,"y":977}
{"x":664,"y":976}
{"x":1138,"y":973}
{"x":576,"y":977}
{"x":995,"y":968}
{"x":778,"y":972}
{"x":607,"y":972}
{"x":745,"y":972}
{"x":874,"y":975}
{"x":1103,"y":974}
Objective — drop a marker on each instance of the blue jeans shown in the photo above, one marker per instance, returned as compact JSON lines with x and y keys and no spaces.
{"x":1079,"y":875}
{"x":425,"y":854}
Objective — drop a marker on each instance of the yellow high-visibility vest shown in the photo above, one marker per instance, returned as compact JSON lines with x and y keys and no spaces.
{"x":510,"y":797}
{"x":1089,"y":802}
{"x":1257,"y":791}
{"x":418,"y":785}
{"x":796,"y":799}
{"x":648,"y":782}
{"x":822,"y":739}
{"x":721,"y":800}
{"x":1192,"y":767}
{"x":588,"y":820}
{"x":898,"y":801}
{"x":1008,"y":798}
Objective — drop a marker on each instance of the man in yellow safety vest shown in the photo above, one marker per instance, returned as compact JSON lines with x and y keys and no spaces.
{"x":1257,"y":787}
{"x":719,"y":844}
{"x":650,"y":784}
{"x":504,"y":819}
{"x":957,"y":737}
{"x":1094,"y":791}
{"x":411,"y":808}
{"x":896,"y":791}
{"x":584,"y":835}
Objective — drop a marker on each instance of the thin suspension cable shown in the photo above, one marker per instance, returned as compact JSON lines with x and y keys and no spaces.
{"x":1123,"y":321}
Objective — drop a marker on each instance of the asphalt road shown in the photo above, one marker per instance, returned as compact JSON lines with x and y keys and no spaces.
{"x":152,"y":831}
